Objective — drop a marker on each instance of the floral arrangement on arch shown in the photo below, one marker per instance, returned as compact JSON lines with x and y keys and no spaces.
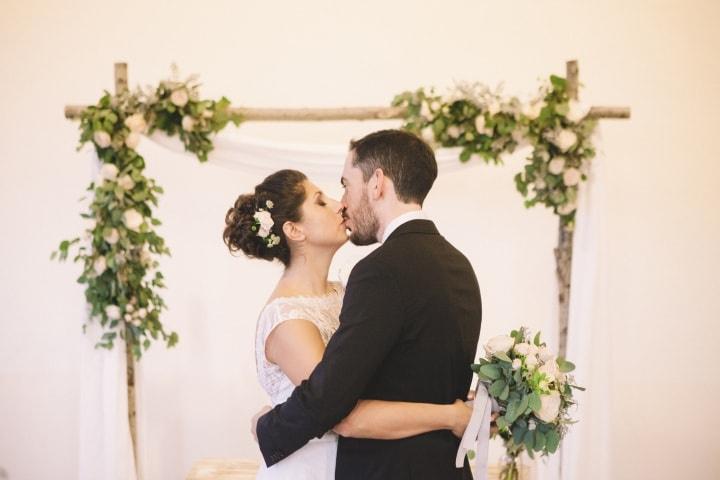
{"x":486,"y":125}
{"x":119,"y":247}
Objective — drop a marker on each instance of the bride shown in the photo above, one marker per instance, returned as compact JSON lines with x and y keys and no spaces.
{"x":290,"y":219}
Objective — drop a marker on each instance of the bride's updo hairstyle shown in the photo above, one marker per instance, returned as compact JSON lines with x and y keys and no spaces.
{"x":281,"y":194}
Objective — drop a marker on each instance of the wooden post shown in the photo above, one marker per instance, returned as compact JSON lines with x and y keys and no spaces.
{"x":121,"y":86}
{"x":564,"y":249}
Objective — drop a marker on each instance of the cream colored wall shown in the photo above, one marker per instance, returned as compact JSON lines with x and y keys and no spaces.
{"x":662,"y":170}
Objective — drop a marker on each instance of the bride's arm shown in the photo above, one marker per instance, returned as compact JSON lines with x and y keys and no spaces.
{"x":393,"y":420}
{"x":297,"y":347}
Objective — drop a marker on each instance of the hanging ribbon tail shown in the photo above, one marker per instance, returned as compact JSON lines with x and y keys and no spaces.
{"x":478,"y":429}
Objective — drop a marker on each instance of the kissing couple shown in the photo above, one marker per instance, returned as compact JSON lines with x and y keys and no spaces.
{"x":367,"y":381}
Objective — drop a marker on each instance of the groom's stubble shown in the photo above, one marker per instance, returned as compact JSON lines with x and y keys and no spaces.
{"x":365,"y":221}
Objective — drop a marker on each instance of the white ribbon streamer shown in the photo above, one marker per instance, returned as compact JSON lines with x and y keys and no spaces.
{"x":478,"y":430}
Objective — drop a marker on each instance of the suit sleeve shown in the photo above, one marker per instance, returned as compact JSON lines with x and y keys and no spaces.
{"x":370,"y":324}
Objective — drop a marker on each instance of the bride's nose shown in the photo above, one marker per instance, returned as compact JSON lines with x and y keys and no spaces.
{"x":336,"y":206}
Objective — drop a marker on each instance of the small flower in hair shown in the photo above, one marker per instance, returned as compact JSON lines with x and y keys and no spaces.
{"x":272,"y":240}
{"x":263,"y":224}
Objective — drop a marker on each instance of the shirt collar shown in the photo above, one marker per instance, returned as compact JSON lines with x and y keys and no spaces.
{"x":404,"y":218}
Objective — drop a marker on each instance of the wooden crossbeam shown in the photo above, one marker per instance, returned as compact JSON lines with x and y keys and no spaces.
{"x":73,"y":112}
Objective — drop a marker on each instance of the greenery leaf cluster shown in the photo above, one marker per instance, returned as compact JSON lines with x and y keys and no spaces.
{"x":120,"y":247}
{"x":486,"y":125}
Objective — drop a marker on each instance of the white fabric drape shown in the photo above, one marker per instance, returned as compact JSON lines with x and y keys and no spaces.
{"x":105,"y":447}
{"x":252,"y":155}
{"x":585,"y":451}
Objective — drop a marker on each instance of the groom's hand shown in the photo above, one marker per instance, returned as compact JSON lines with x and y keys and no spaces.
{"x":254,"y":421}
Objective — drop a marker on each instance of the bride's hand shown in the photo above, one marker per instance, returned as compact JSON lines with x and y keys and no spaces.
{"x":460,"y":416}
{"x":255,"y":418}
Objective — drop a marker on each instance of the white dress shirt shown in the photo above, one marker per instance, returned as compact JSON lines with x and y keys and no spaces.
{"x":404,"y":218}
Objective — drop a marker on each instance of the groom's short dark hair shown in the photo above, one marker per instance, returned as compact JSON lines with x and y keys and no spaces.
{"x":403,"y":157}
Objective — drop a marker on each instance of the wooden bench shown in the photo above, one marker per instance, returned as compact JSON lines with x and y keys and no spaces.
{"x":234,"y":469}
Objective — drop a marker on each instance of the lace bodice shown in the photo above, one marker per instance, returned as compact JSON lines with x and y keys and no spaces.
{"x":323,"y":311}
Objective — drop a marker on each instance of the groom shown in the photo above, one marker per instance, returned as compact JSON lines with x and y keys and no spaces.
{"x":409,"y":324}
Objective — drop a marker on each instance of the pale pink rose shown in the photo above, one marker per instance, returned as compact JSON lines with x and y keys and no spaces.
{"x":179,"y":97}
{"x":108,"y":172}
{"x":112,"y":312}
{"x":500,"y":343}
{"x":99,"y":265}
{"x":112,"y":236}
{"x":133,"y":219}
{"x":571,"y":177}
{"x":102,"y":139}
{"x":565,"y":139}
{"x":549,"y":407}
{"x":556,"y":165}
{"x":188,"y":123}
{"x":132,"y":140}
{"x":136,"y":123}
{"x":125,"y":182}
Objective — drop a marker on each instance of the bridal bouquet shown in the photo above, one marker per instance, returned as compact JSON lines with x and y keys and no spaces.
{"x":534,"y":391}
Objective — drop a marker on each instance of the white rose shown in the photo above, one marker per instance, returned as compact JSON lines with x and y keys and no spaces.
{"x":516,"y":364}
{"x":571,"y":177}
{"x":137,"y":322}
{"x":142,"y":313}
{"x":522,"y":348}
{"x":132,"y":140}
{"x":112,"y":237}
{"x":136,"y":123}
{"x":427,"y":134}
{"x":145,"y":256}
{"x":566,"y":209}
{"x":125,"y":182}
{"x":480,"y":123}
{"x":108,"y":172}
{"x":425,"y":110}
{"x":453,"y":131}
{"x":550,"y":369}
{"x":129,"y":308}
{"x":531,"y":361}
{"x":266,"y":223}
{"x":102,"y":139}
{"x":435,"y":106}
{"x":132,"y":219}
{"x":545,"y":354}
{"x":540,"y":183}
{"x":188,"y":123}
{"x":532,"y":110}
{"x":112,"y":312}
{"x":576,"y":111}
{"x":565,"y":139}
{"x":549,"y":407}
{"x":179,"y":97}
{"x":99,"y":265}
{"x":500,"y":343}
{"x":493,"y":107}
{"x":556,"y":165}
{"x":127,"y":317}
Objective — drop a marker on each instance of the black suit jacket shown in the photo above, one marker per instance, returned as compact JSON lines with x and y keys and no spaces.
{"x":409,"y":329}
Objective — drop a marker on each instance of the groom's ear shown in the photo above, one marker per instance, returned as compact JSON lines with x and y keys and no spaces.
{"x":376,"y":184}
{"x":293,"y":232}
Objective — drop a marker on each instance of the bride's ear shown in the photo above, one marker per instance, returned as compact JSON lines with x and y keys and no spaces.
{"x":293,"y":232}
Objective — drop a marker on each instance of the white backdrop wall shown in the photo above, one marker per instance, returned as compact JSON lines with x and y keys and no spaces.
{"x":661,"y":173}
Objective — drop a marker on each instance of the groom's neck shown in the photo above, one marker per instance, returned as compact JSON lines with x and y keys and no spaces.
{"x":391,"y":212}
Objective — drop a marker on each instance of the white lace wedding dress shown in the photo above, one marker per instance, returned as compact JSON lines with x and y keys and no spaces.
{"x":316,"y":460}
